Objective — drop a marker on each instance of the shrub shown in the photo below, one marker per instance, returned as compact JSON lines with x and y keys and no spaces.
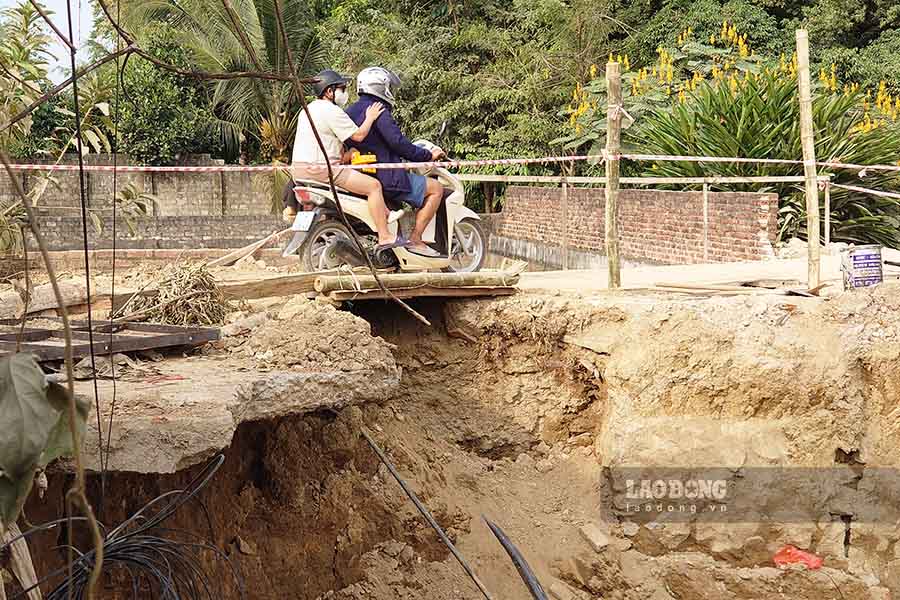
{"x":716,"y":97}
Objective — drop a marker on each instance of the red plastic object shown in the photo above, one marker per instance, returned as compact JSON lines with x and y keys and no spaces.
{"x":790,"y":555}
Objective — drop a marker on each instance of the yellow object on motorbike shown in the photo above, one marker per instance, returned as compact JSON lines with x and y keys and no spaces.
{"x":363,"y":159}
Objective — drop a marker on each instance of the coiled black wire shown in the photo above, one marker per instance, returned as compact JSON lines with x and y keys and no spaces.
{"x":164,"y":561}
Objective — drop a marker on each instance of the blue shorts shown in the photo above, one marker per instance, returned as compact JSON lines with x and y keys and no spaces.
{"x":416,"y":197}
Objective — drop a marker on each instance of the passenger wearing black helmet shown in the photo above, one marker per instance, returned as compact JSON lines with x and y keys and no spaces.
{"x":335,"y":128}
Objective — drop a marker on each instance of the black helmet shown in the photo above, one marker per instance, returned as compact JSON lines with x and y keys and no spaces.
{"x":327,"y":79}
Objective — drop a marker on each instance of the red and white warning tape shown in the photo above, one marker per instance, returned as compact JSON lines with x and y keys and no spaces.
{"x":141,"y":169}
{"x":449,"y":164}
{"x":457,"y":164}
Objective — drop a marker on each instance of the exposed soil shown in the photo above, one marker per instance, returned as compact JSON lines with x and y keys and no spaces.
{"x":516,"y":409}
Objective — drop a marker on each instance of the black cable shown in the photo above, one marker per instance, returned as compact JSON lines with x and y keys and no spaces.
{"x":112,"y":294}
{"x":423,"y":510}
{"x":84,"y":232}
{"x":169,"y":567}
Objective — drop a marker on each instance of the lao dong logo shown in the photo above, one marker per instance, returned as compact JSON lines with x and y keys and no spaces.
{"x":688,"y":496}
{"x":675,"y":489}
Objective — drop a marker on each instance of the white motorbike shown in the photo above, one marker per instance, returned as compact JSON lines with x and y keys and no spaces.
{"x":324,"y":242}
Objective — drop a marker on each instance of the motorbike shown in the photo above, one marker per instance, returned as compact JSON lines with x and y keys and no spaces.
{"x":323,"y":242}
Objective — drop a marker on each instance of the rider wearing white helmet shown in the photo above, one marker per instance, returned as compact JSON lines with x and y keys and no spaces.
{"x":389,"y":145}
{"x":335,"y":128}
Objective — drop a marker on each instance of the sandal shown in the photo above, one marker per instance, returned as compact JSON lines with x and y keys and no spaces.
{"x":423,"y":250}
{"x":399,"y":242}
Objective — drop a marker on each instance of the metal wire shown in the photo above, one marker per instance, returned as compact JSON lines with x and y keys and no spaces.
{"x":423,"y":510}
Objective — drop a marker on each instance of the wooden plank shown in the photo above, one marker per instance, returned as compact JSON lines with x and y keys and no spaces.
{"x":422,"y":292}
{"x":148,"y":337}
{"x":705,"y":222}
{"x":28,"y":335}
{"x":233,"y":257}
{"x":828,"y":213}
{"x":104,"y":327}
{"x":709,"y":286}
{"x":286,"y":285}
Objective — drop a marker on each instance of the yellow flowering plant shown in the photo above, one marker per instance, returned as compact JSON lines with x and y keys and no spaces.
{"x":718,"y":98}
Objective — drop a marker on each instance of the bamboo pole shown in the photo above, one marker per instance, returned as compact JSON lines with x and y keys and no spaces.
{"x":565,"y":219}
{"x":573,"y":181}
{"x":332,"y":283}
{"x":809,"y":157}
{"x":705,"y":222}
{"x":828,"y":213}
{"x":613,"y":144}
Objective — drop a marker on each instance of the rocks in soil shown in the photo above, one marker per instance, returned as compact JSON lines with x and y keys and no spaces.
{"x":563,"y":591}
{"x":316,"y":337}
{"x":11,"y":304}
{"x":545,"y":465}
{"x":244,"y":325}
{"x":595,"y":535}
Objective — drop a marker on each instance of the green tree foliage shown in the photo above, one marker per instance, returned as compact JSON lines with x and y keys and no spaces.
{"x":496,"y":72}
{"x":24,"y":46}
{"x":207,"y":32}
{"x":859,"y":35}
{"x":162,"y":114}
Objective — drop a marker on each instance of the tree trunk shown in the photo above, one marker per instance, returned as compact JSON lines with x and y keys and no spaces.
{"x":487,"y":188}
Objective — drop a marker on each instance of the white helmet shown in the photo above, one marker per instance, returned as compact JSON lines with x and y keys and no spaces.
{"x":378,"y":82}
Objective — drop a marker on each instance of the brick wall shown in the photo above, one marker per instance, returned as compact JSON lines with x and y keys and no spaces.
{"x":191,"y":210}
{"x":65,"y":233}
{"x":654,"y":226}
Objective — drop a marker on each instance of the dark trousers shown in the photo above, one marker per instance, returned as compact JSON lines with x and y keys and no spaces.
{"x":288,"y":198}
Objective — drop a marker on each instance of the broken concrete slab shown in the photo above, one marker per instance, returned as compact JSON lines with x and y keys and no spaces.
{"x":283,"y":394}
{"x":191,"y":410}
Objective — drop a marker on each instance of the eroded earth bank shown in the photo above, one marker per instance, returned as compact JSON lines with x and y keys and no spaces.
{"x":522,"y":410}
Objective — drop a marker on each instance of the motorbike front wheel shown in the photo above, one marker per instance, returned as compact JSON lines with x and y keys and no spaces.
{"x":468,"y":249}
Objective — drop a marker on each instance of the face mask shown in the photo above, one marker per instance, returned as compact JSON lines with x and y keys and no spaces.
{"x":341,"y":97}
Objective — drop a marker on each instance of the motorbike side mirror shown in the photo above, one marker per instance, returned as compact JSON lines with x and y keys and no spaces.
{"x":443,"y":129}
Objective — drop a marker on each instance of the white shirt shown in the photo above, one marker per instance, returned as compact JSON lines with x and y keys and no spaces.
{"x":334,"y":127}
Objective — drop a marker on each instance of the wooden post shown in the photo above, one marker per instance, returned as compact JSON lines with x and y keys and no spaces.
{"x":828,"y":212}
{"x":809,"y":158}
{"x":613,"y":144}
{"x":565,"y":219}
{"x":705,"y":222}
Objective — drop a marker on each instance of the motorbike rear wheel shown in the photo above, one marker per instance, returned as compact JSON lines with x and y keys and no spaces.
{"x":467,"y":255}
{"x":318,"y":250}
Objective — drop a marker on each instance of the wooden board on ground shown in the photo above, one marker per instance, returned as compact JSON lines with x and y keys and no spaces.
{"x":232,"y":257}
{"x":284,"y":285}
{"x":109,"y":338}
{"x":420,"y":292}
